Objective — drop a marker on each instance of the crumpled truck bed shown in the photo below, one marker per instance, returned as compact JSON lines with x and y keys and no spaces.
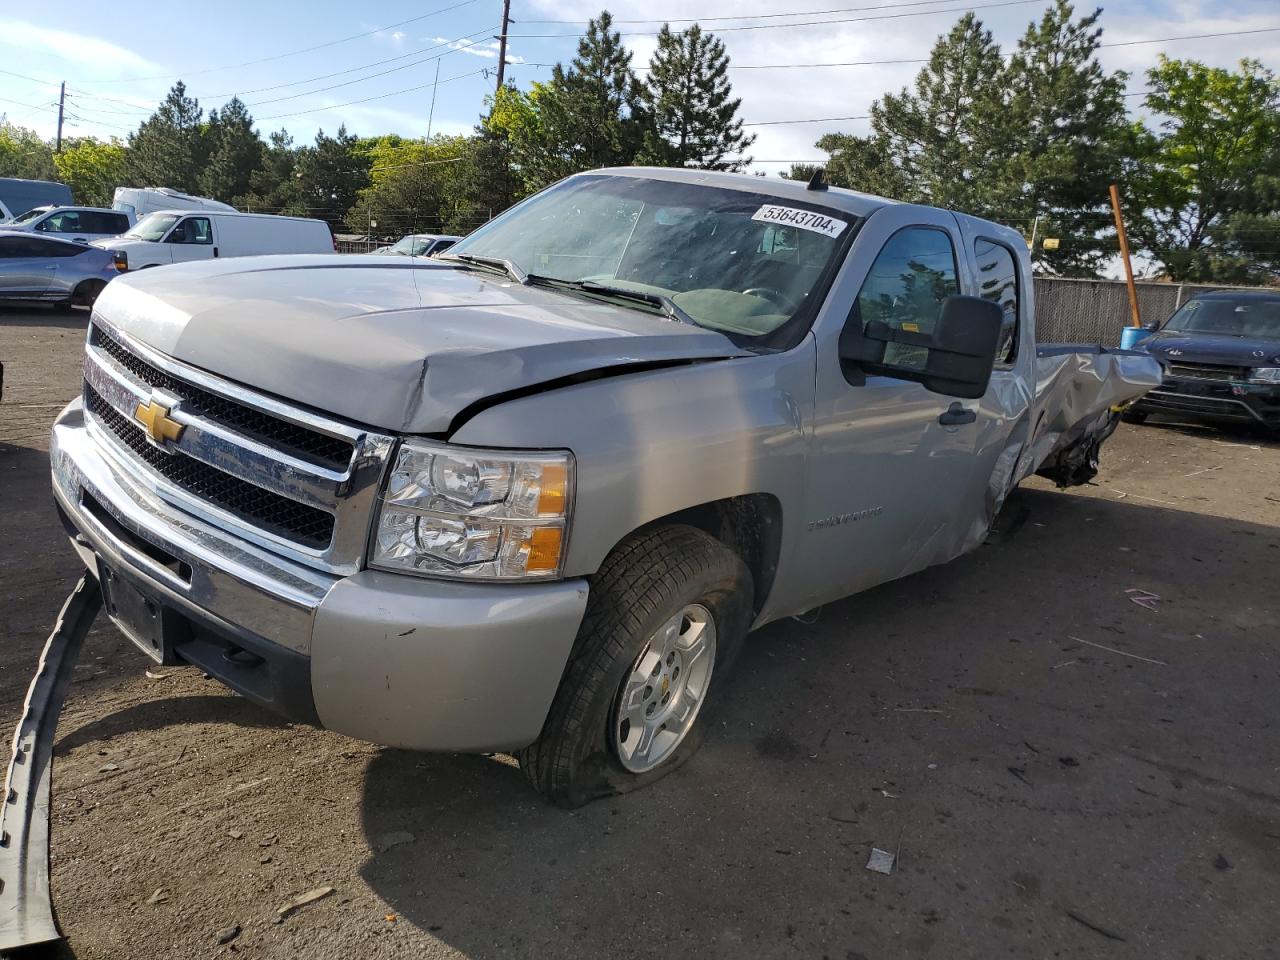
{"x":1079,"y":390}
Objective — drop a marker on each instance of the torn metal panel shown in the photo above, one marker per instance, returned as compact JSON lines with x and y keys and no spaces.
{"x":26,"y":909}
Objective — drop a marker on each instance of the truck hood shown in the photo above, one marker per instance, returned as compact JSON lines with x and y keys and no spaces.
{"x":1173,"y":347}
{"x":403,"y":345}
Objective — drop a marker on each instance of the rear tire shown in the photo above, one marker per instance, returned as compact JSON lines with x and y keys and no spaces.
{"x":87,"y":292}
{"x":661,"y":583}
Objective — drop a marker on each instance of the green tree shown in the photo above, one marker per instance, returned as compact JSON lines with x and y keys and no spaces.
{"x":1206,"y":169}
{"x":413,"y":187}
{"x":23,"y":154}
{"x":273,"y":186}
{"x":690,"y":104}
{"x":329,"y":175}
{"x":1056,"y":130}
{"x":235,"y":151}
{"x":168,"y":149}
{"x":92,"y":169}
{"x":587,"y":116}
{"x":927,"y":144}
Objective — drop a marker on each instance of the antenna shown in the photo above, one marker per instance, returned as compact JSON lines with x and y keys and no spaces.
{"x":816,"y":182}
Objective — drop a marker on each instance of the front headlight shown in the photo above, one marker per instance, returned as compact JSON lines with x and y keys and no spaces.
{"x":474,"y":514}
{"x":1264,"y":375}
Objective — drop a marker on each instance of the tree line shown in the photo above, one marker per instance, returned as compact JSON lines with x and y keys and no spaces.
{"x":1031,"y":137}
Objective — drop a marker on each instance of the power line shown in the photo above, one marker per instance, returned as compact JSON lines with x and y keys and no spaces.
{"x":755,"y":16}
{"x":372,"y":76}
{"x":800,"y":23}
{"x":294,"y":53}
{"x":776,"y":123}
{"x":381,"y":96}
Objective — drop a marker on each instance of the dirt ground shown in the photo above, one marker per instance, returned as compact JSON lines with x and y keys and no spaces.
{"x":1062,"y":772}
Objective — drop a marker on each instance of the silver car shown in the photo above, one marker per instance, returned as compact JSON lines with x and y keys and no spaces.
{"x":52,"y":270}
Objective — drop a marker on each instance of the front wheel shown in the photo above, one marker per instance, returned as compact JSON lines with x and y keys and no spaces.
{"x":665,"y":620}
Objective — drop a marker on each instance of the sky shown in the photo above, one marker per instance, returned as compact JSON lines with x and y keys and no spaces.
{"x":302,"y":66}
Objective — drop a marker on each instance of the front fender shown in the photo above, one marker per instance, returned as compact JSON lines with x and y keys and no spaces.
{"x":650,"y":444}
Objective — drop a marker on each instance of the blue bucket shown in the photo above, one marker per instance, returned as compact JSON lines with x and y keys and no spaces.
{"x":1131,"y":336}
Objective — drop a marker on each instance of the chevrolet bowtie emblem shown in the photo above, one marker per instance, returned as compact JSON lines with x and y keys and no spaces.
{"x":155,"y":418}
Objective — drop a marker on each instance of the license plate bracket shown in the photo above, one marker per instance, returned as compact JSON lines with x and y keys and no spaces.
{"x":140,"y":617}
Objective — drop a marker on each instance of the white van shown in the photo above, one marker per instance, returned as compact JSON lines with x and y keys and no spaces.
{"x":140,"y":201}
{"x":179,"y":236}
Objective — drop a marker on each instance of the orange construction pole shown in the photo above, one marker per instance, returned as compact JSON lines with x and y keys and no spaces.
{"x":1124,"y":255}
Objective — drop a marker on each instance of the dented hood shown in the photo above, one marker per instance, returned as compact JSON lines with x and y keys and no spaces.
{"x":398,"y":345}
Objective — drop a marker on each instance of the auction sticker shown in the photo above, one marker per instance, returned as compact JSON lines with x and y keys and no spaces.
{"x":803,"y":219}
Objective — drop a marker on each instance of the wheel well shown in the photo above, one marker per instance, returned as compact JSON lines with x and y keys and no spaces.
{"x":749,"y":525}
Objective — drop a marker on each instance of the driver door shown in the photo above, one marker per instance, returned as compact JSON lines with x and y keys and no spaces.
{"x":192,"y":239}
{"x":889,"y":459}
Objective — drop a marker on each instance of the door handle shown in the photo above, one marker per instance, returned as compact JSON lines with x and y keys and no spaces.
{"x":215,"y":251}
{"x":955,"y":415}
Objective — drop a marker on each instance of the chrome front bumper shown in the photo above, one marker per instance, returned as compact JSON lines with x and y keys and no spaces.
{"x":397,"y":660}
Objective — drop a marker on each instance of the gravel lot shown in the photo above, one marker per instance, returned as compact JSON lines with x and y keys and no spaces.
{"x":1047,"y":796}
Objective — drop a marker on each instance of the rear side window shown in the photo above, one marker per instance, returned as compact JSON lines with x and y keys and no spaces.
{"x":914,"y":273}
{"x":998,"y":281}
{"x":95,"y":221}
{"x":59,"y":248}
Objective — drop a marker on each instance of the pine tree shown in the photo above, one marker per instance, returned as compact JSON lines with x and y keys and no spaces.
{"x":330,"y":174}
{"x":273,"y":186}
{"x":1056,"y":129}
{"x":932,"y":136}
{"x":235,"y":152}
{"x":587,"y":114}
{"x":689,"y":104}
{"x":167,"y":150}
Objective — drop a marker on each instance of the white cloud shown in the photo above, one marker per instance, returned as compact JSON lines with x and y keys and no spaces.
{"x":488,"y":49}
{"x":85,"y":51}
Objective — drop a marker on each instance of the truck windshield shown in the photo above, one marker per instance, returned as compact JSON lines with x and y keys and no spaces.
{"x":152,"y":227}
{"x":741,"y":262}
{"x":1231,"y":316}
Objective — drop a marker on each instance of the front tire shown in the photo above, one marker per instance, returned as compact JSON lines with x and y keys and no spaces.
{"x":666,"y":618}
{"x":1134,"y":416}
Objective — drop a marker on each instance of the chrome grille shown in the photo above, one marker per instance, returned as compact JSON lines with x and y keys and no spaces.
{"x":1207,"y":371}
{"x":272,"y":512}
{"x":297,"y":482}
{"x":331,"y":452}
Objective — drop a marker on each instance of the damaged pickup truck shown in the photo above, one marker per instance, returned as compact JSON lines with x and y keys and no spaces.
{"x":531,"y":496}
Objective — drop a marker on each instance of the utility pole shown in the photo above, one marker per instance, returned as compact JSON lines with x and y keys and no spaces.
{"x":62,"y":100}
{"x":502,"y":40}
{"x":435,"y":86}
{"x":1124,"y":255}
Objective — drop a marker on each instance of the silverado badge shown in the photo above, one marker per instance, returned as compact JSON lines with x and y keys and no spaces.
{"x":155,"y":419}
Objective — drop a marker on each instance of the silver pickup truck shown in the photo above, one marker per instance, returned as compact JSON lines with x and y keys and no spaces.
{"x":532,"y":495}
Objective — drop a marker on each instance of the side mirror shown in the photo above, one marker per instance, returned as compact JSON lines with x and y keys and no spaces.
{"x":955,"y":359}
{"x":1152,"y":326}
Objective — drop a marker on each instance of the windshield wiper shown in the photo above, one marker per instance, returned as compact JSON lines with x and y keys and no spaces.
{"x":510,"y":268}
{"x":665,"y":304}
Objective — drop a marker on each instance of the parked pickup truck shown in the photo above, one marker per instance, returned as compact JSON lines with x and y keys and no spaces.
{"x":532,"y":496}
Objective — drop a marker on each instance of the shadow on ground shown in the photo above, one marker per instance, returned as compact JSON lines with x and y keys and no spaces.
{"x":1044,"y":796}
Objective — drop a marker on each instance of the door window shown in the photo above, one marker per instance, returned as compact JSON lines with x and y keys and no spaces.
{"x":905,"y":288}
{"x":68,"y":221}
{"x":192,"y":230}
{"x":17,"y":248}
{"x":998,"y":281}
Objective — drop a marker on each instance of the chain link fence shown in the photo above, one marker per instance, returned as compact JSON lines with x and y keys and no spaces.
{"x":1094,"y":311}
